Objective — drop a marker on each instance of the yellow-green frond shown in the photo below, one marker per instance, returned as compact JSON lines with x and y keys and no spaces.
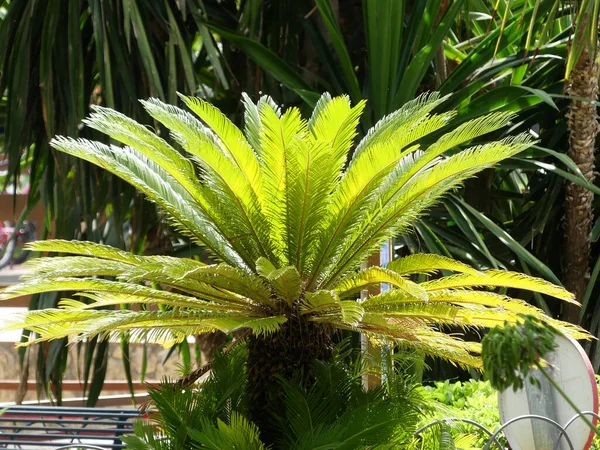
{"x":85,"y":249}
{"x":97,"y":285}
{"x":402,"y":203}
{"x":103,"y":299}
{"x":133,"y":134}
{"x":335,"y":124}
{"x":220,"y":276}
{"x":232,"y":191}
{"x":355,"y":193}
{"x":499,"y":278}
{"x":279,"y":169}
{"x":410,"y":114}
{"x":74,"y":266}
{"x":438,"y":313}
{"x":374,"y":276}
{"x":232,"y":140}
{"x":415,"y":335}
{"x":428,"y":263}
{"x":252,"y":120}
{"x":163,"y":327}
{"x":160,"y":187}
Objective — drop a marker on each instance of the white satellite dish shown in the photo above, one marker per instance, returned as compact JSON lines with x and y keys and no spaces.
{"x":573,"y":372}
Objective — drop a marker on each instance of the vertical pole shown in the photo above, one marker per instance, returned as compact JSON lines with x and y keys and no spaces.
{"x":373,"y":352}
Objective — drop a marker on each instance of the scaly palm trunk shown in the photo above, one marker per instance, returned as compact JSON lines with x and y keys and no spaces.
{"x":583,"y":127}
{"x":290,"y":352}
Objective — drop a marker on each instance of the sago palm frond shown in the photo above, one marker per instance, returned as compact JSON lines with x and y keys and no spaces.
{"x":291,"y":216}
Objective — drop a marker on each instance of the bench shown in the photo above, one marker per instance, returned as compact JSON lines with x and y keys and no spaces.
{"x":39,"y":427}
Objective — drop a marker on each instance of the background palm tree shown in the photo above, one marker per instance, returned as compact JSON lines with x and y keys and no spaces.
{"x":81,"y":53}
{"x":583,"y":128}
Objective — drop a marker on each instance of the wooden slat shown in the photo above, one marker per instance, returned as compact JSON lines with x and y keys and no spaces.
{"x":74,"y":385}
{"x":104,"y":401}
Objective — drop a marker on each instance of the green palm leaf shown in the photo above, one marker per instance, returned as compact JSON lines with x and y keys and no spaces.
{"x":499,"y":278}
{"x":427,"y":263}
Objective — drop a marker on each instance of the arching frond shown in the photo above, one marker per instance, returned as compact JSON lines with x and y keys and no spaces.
{"x":500,"y":278}
{"x":319,"y":106}
{"x":74,"y":266}
{"x":142,"y":269}
{"x":280,"y":141}
{"x":415,"y":335}
{"x":427,"y":263}
{"x":371,"y":276}
{"x":159,"y":186}
{"x":335,"y":124}
{"x":163,"y":327}
{"x":308,"y":201}
{"x":406,"y":117}
{"x":234,"y":192}
{"x":39,"y":285}
{"x":85,"y":249}
{"x":232,"y":140}
{"x":352,"y":197}
{"x":131,"y":133}
{"x":472,"y":298}
{"x":102,"y":299}
{"x":438,"y":313}
{"x":460,"y":135}
{"x":220,"y":276}
{"x":501,"y":307}
{"x":402,"y":203}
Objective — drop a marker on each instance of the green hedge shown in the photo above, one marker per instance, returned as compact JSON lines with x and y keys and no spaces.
{"x":475,"y":400}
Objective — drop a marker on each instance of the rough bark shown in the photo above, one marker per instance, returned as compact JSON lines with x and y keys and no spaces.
{"x":583,"y":127}
{"x":209,"y":344}
{"x":291,"y":352}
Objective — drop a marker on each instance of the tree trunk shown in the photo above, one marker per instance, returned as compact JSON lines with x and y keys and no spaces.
{"x":583,"y":127}
{"x":290,"y":352}
{"x":209,"y":344}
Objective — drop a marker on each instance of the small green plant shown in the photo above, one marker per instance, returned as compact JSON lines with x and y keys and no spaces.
{"x":334,"y":411}
{"x":509,"y":352}
{"x":473,"y":400}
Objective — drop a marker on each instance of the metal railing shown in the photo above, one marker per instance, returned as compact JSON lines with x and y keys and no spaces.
{"x":493,"y":436}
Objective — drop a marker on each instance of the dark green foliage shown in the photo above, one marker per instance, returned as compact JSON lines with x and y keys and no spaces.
{"x":333,"y":411}
{"x":508,"y":352}
{"x":179,"y":411}
{"x":472,"y":400}
{"x":290,"y":353}
{"x":58,"y":58}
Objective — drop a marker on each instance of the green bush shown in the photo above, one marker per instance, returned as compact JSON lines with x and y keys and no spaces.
{"x":331,"y":411}
{"x":474,"y":400}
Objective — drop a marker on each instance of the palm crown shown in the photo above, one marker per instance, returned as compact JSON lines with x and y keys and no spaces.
{"x":290,"y":218}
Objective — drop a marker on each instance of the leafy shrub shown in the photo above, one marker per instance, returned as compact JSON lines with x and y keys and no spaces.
{"x":334,"y":411}
{"x":474,"y":400}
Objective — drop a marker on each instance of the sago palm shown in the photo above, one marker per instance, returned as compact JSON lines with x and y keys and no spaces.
{"x":290,"y":218}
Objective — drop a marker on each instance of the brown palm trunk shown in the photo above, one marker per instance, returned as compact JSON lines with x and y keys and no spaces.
{"x":583,"y":127}
{"x":290,"y":353}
